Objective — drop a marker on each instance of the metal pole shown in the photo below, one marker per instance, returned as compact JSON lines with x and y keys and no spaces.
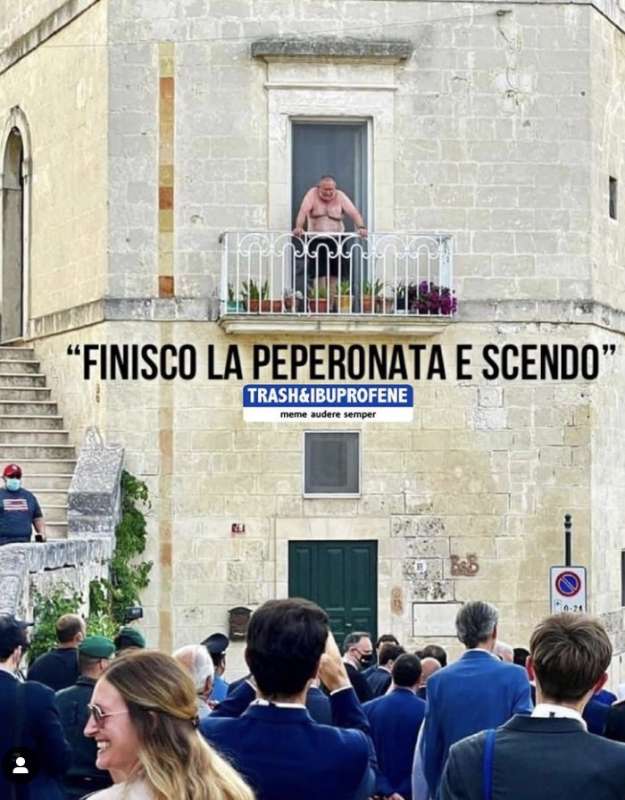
{"x":568,"y":524}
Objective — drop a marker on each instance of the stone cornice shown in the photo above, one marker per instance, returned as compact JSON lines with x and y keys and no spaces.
{"x":346,"y":48}
{"x":41,"y":32}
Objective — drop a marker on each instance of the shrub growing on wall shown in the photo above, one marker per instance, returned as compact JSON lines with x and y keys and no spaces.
{"x":108,"y":599}
{"x":47,"y":609}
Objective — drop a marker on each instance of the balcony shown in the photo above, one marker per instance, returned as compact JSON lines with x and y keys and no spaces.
{"x":397,"y":283}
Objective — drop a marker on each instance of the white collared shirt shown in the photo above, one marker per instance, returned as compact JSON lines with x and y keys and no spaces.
{"x":559,"y":712}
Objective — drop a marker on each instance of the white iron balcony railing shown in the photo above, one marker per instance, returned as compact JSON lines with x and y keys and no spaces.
{"x":269,"y":272}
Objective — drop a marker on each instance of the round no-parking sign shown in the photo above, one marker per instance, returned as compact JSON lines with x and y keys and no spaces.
{"x":568,"y":589}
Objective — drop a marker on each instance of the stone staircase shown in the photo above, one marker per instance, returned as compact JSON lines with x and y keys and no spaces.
{"x":32,"y":435}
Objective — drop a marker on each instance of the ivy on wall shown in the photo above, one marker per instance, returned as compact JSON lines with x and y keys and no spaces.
{"x":108,"y":599}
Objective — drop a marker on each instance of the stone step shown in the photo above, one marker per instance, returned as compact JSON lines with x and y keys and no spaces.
{"x":47,"y":466}
{"x":22,"y":452}
{"x":31,"y":422}
{"x":53,"y":512}
{"x":26,"y":407}
{"x":17,"y":437}
{"x":17,"y":367}
{"x":56,"y":530}
{"x":17,"y":353}
{"x":50,"y":497}
{"x":12,"y":380}
{"x":58,"y":482}
{"x":10,"y":393}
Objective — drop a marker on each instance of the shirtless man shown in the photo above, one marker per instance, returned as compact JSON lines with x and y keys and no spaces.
{"x":322,"y":210}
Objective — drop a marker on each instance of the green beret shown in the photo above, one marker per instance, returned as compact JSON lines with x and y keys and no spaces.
{"x":96,"y":647}
{"x":129,"y":637}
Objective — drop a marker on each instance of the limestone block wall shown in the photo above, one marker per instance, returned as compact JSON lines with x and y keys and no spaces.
{"x":608,"y":496}
{"x":491,"y":134}
{"x":607,"y":160}
{"x":486,"y":468}
{"x":61,"y":87}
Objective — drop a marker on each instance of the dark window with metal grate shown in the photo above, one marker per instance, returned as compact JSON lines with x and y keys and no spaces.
{"x":331,"y":463}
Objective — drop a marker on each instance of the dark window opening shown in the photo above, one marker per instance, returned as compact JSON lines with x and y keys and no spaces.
{"x":623,"y":577}
{"x":331,"y":463}
{"x":613,"y":198}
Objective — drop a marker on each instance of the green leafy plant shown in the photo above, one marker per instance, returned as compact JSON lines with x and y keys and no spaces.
{"x":317,"y":291}
{"x":62,"y":599}
{"x":372,"y":289}
{"x":108,"y":600}
{"x":345,"y":288}
{"x":250,"y":291}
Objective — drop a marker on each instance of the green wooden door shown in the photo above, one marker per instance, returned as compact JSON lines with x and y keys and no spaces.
{"x":342,"y":578}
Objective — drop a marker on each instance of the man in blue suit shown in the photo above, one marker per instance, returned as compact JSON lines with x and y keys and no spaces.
{"x":380,"y":679}
{"x":395,"y":720}
{"x":276,"y":745}
{"x":31,"y":735}
{"x":476,"y":692}
{"x":550,"y":754}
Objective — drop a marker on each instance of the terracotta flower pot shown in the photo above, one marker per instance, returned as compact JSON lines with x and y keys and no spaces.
{"x":319,"y":306}
{"x":345,"y":304}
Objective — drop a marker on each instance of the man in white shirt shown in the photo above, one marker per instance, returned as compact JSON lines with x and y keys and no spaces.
{"x":548,"y":754}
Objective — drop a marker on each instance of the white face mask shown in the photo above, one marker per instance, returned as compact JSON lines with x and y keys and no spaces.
{"x":13,"y":484}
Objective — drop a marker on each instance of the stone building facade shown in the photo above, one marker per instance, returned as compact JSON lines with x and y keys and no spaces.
{"x":150,"y":127}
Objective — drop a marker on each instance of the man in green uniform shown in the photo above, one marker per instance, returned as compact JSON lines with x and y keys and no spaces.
{"x":94,"y":655}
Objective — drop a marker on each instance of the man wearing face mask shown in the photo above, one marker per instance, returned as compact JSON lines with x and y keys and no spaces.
{"x":19,"y":510}
{"x":358,"y":655}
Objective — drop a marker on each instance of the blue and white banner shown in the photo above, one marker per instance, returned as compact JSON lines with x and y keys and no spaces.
{"x":375,"y":402}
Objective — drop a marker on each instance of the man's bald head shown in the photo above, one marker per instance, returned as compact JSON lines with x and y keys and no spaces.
{"x":429,"y":666}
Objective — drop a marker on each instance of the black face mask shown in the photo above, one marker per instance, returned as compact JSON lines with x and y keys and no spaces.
{"x":367,"y":661}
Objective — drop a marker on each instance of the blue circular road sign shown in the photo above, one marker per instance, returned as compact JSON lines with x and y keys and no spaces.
{"x":568,"y":584}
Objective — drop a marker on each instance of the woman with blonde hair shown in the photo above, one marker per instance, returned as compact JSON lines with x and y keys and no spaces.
{"x":143,"y":717}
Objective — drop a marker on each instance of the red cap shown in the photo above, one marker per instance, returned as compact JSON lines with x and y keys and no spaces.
{"x":12,"y":471}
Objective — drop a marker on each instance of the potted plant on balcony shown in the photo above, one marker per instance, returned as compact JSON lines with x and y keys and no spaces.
{"x":431,"y":298}
{"x":344,"y":298}
{"x":254,"y":298}
{"x":318,"y":299}
{"x":400,"y":294}
{"x":372,"y":296}
{"x":234,"y":306}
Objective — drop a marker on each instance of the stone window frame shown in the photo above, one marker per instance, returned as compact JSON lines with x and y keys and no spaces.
{"x":339,"y":92}
{"x":333,"y":495}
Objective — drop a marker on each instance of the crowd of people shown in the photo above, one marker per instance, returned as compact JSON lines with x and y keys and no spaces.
{"x":114,"y":720}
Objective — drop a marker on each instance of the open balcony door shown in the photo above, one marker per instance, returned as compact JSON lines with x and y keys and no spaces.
{"x":330,"y":148}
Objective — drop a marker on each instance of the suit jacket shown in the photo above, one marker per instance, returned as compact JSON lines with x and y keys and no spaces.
{"x":317,"y":703}
{"x":538,"y":758}
{"x":83,"y":776}
{"x":395,"y":720}
{"x":284,"y":754}
{"x":379,"y":680}
{"x":57,"y":668}
{"x":476,"y":692}
{"x":595,"y":715}
{"x":41,"y":733}
{"x":359,"y":682}
{"x":615,"y":722}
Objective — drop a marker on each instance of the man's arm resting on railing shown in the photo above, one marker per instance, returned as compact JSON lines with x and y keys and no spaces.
{"x":350,"y":209}
{"x":304,"y":211}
